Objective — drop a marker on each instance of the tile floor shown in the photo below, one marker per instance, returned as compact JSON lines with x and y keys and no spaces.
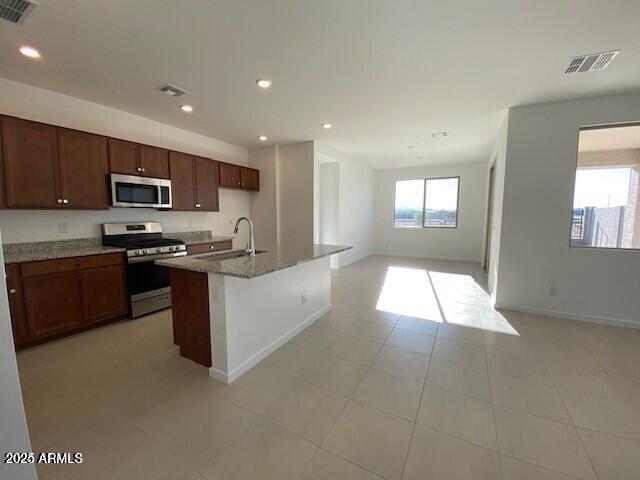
{"x":361,"y":394}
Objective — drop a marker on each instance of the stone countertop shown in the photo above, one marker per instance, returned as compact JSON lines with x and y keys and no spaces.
{"x":270,"y":260}
{"x":34,"y":251}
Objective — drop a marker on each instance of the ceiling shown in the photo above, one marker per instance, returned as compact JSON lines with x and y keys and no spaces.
{"x":610,"y":138}
{"x":385,"y":74}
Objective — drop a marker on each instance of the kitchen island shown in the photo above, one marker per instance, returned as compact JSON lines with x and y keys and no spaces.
{"x":231,"y":310}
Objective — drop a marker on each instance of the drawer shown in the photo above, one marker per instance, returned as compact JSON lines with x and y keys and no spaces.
{"x":209,"y":247}
{"x":45,"y":267}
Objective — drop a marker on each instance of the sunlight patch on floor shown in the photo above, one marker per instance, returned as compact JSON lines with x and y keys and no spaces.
{"x":407,"y":291}
{"x":466,"y":303}
{"x":410,"y":292}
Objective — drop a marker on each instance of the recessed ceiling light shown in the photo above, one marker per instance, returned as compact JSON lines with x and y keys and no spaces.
{"x":439,"y":134}
{"x":262,"y":138}
{"x":326,"y":126}
{"x":186,"y":108}
{"x":30,"y":52}
{"x":263,"y":82}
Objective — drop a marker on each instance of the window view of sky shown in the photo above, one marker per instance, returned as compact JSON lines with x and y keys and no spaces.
{"x":442,"y":194}
{"x":601,"y":187}
{"x":409,"y":194}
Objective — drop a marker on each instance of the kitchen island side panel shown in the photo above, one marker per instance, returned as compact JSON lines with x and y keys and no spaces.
{"x":251,"y":318}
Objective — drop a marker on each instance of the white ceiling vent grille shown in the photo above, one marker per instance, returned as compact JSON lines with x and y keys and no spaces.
{"x":591,"y":62}
{"x":16,"y":11}
{"x":171,"y":90}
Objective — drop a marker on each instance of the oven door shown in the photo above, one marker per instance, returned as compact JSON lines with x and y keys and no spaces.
{"x":132,"y":191}
{"x":148,"y":288}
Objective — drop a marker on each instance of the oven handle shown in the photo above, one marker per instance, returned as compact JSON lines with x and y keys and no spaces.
{"x":159,"y":256}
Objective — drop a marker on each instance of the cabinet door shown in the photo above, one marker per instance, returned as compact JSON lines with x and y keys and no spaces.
{"x":124,"y":157}
{"x":154,"y":162}
{"x":30,"y":164}
{"x":52,"y":304}
{"x":182,"y":183}
{"x":103,"y":293}
{"x":83,"y":169}
{"x":206,"y":179}
{"x":229,"y":175}
{"x":16,"y":304}
{"x":249,"y":178}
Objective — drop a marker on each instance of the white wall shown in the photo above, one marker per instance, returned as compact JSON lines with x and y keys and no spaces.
{"x":498,"y":161}
{"x":14,"y":436}
{"x":295,"y":185}
{"x":45,"y":106}
{"x":264,"y":204}
{"x":355,"y":204}
{"x":593,"y":284}
{"x":462,"y":243}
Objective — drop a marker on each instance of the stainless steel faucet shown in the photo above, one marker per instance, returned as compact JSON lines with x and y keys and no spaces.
{"x":251,"y":247}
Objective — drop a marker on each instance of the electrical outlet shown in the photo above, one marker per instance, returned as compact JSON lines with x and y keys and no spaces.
{"x":553,"y":291}
{"x":303,"y":298}
{"x":63,"y":228}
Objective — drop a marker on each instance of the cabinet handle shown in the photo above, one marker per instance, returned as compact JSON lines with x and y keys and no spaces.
{"x":198,"y":205}
{"x":65,"y":201}
{"x":211,"y":247}
{"x":139,"y":169}
{"x":59,"y":200}
{"x":144,"y":169}
{"x":12,"y":290}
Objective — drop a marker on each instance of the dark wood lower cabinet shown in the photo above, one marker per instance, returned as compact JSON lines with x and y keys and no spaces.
{"x":52,"y":304}
{"x":52,"y":298}
{"x":104,"y":293}
{"x":190,"y":310}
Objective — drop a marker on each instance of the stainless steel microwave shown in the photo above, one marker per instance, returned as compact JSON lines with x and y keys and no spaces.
{"x":141,"y":192}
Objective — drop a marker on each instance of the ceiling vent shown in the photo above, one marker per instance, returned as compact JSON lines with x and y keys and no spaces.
{"x":592,"y":62}
{"x":16,"y":11}
{"x":170,"y":90}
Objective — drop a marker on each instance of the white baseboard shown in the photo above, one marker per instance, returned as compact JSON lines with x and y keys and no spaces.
{"x":426,"y":257}
{"x":615,"y":322}
{"x":228,"y":377}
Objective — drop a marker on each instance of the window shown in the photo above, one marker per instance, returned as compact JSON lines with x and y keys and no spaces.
{"x":430,"y":202}
{"x":606,"y":200}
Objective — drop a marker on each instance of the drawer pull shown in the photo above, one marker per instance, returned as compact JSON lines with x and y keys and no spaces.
{"x":12,"y":290}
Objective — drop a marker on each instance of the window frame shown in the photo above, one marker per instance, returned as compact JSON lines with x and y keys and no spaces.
{"x":570,"y":243}
{"x":424,"y":203}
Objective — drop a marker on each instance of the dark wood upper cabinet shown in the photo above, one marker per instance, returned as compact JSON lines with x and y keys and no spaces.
{"x":229,"y":175}
{"x":182,"y":181}
{"x":249,"y":178}
{"x":83,"y":169}
{"x":132,"y":158}
{"x":154,"y":162}
{"x":206,"y":182}
{"x":123,"y":157}
{"x":30,"y":156}
{"x":235,"y":176}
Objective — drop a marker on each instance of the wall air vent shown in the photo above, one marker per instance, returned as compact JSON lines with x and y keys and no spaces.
{"x":16,"y":11}
{"x":170,"y":90}
{"x":591,"y":62}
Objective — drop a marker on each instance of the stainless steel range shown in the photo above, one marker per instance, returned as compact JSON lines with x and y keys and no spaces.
{"x":148,"y":284}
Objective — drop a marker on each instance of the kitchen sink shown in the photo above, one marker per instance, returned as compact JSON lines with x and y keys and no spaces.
{"x":227,"y":255}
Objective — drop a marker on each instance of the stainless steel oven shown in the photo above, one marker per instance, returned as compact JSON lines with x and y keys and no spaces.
{"x":133,"y":191}
{"x":148,"y":284}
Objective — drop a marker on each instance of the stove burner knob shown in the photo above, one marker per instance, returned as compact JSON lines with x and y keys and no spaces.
{"x":145,"y":251}
{"x":158,"y":250}
{"x":137,"y":252}
{"x":171,"y":249}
